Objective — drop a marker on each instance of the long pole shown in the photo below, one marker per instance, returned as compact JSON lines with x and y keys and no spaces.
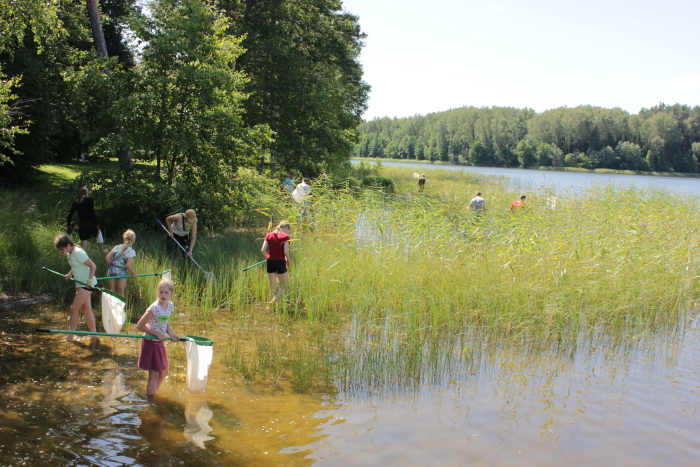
{"x":90,"y":287}
{"x":256,"y":264}
{"x":207,"y":274}
{"x":138,"y":275}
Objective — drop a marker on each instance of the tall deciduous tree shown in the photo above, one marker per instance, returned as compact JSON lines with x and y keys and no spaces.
{"x":305,"y":78}
{"x":182,"y":104}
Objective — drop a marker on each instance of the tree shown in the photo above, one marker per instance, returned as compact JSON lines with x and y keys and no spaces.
{"x":604,"y":158}
{"x":526,"y":152}
{"x":479,"y":154}
{"x":45,"y":42}
{"x":40,"y":40}
{"x":305,"y":78}
{"x":96,"y":26}
{"x":8,"y":131}
{"x":183,"y":103}
{"x":548,"y":155}
{"x":630,"y":156}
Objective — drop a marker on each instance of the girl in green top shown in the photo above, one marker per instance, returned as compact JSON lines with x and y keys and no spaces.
{"x":82,"y":270}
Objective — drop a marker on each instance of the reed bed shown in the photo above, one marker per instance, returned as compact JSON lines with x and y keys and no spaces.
{"x":395,"y":289}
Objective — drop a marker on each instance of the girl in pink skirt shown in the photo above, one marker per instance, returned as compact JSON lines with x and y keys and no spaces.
{"x":155,"y":321}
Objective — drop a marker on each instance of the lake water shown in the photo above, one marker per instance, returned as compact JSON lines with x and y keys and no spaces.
{"x":634,"y":402}
{"x":562,"y":181}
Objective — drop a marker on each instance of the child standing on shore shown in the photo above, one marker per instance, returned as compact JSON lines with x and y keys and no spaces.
{"x":119,"y":260}
{"x":155,"y":321}
{"x":82,"y":269}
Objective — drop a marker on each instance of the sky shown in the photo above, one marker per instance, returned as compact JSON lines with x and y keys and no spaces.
{"x":430,"y":56}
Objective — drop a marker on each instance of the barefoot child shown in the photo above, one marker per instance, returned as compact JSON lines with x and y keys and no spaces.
{"x":119,"y":260}
{"x":154,"y":321}
{"x":83,"y":271}
{"x":276,"y":250}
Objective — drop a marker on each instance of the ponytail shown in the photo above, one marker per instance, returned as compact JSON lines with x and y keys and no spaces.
{"x":280,"y":226}
{"x":129,"y":238}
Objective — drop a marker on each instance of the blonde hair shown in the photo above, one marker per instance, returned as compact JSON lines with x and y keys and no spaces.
{"x":191,"y":216}
{"x":129,"y":237}
{"x":168,"y":283}
{"x":281,"y":225}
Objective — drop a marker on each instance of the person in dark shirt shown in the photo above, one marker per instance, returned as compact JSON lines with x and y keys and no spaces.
{"x":87,"y":220}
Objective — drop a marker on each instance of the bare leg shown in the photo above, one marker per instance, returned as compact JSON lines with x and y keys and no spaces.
{"x":110,"y":284}
{"x":155,"y":379}
{"x":273,"y":286}
{"x":80,"y":299}
{"x":83,"y":244}
{"x":121,"y":287}
{"x":102,"y":248}
{"x":282,"y":278}
{"x":89,"y":316}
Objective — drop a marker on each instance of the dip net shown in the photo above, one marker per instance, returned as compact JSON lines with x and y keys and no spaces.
{"x":199,"y":356}
{"x":113,"y":314}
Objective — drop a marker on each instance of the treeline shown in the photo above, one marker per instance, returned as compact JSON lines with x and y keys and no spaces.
{"x":663,"y":138}
{"x":195,"y":88}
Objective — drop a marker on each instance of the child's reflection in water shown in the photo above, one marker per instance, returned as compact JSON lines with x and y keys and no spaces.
{"x":152,"y":426}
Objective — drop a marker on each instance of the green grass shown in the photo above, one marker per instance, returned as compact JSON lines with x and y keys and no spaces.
{"x":389,"y":290}
{"x":60,"y":175}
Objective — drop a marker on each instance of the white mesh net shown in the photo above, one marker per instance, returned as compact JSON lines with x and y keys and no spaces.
{"x":113,"y":314}
{"x":198,"y":362}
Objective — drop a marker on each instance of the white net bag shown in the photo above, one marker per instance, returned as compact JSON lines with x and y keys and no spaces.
{"x":113,"y":314}
{"x":199,"y":356}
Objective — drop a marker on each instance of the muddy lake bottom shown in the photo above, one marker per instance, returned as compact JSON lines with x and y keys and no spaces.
{"x":82,"y":404}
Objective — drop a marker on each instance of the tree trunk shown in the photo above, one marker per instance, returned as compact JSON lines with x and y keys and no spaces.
{"x":101,"y":47}
{"x":96,"y":24}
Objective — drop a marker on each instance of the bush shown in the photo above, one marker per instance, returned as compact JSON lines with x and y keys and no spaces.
{"x":136,"y":199}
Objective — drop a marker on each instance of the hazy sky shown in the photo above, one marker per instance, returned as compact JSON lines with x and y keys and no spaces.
{"x":429,"y":56}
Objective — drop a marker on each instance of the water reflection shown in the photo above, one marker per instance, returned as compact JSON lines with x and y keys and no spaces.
{"x":460,"y":400}
{"x":198,"y":416}
{"x":153,"y":418}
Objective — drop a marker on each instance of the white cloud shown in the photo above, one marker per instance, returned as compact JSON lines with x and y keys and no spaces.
{"x":685,"y":82}
{"x":626,"y":74}
{"x":495,"y":7}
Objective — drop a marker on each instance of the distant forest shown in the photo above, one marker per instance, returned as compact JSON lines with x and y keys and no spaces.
{"x":662,"y":139}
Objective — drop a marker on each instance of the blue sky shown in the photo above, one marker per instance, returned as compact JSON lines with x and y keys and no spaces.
{"x":423,"y":57}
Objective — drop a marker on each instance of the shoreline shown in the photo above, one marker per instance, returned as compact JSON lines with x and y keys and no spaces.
{"x":538,"y":169}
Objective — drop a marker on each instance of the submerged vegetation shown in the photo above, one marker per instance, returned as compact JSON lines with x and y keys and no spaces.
{"x":401,"y":286}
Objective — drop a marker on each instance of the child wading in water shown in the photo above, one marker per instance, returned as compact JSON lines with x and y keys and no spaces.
{"x":119,"y":260}
{"x":277,"y":245}
{"x":82,"y":269}
{"x":155,"y":321}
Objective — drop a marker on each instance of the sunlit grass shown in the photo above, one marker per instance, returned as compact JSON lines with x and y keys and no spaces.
{"x":387,"y":289}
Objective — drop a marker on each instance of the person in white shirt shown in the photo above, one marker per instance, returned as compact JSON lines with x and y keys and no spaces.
{"x":478,"y":204}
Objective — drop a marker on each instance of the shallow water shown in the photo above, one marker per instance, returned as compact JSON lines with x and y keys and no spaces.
{"x":632,"y":401}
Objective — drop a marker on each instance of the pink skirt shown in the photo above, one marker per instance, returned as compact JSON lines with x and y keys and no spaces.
{"x":153,"y":355}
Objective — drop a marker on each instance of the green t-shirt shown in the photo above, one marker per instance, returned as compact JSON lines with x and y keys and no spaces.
{"x":77,"y":264}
